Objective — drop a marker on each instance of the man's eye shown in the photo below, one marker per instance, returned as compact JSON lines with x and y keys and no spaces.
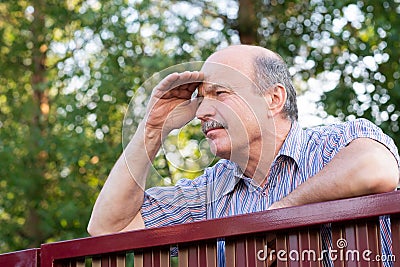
{"x":221,"y":92}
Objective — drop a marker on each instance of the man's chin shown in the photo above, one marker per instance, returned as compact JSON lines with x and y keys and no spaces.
{"x":221,"y":153}
{"x":213,"y":147}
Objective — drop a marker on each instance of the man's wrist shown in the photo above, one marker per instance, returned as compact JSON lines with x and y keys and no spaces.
{"x":283,"y":203}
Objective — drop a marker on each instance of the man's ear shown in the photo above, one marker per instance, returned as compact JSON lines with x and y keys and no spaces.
{"x":276,"y":98}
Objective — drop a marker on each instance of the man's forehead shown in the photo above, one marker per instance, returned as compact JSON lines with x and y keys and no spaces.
{"x":224,"y":74}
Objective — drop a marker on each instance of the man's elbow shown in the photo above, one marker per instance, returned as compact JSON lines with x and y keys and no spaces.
{"x":94,"y":228}
{"x":385,"y":173}
{"x":384,"y":184}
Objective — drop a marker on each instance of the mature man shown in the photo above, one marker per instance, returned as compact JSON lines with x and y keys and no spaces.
{"x":247,"y":106}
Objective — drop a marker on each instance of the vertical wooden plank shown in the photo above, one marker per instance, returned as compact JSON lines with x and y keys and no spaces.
{"x":81,"y":263}
{"x":113,"y":260}
{"x":367,"y":238}
{"x":77,"y":262}
{"x":138,"y":259}
{"x":395,"y":227}
{"x":304,"y":252}
{"x":96,"y":262}
{"x":211,"y":252}
{"x":281,"y":245}
{"x":105,"y":261}
{"x":240,"y":252}
{"x":207,"y":254}
{"x":230,"y":256}
{"x":120,"y":260}
{"x":309,"y":247}
{"x":183,"y":257}
{"x":349,"y":243}
{"x":261,"y":244}
{"x":374,"y":240}
{"x":202,"y":254}
{"x":293,"y":254}
{"x":192,"y":256}
{"x":147,"y":258}
{"x":165,"y":257}
{"x":337,"y":235}
{"x":155,"y":258}
{"x":316,"y":246}
{"x":361,"y":235}
{"x":64,"y":263}
{"x":251,"y":251}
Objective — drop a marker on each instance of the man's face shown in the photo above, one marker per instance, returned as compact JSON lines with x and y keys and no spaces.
{"x":232,"y":112}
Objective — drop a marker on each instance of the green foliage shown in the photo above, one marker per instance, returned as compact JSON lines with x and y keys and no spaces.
{"x":68,"y":70}
{"x":352,"y":47}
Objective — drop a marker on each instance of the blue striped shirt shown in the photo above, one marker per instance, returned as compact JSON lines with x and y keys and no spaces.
{"x":223,"y":190}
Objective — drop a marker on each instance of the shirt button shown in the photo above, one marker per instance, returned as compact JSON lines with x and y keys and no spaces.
{"x":264,"y":194}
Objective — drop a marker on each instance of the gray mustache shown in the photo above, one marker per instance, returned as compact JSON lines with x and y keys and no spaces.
{"x":208,"y":125}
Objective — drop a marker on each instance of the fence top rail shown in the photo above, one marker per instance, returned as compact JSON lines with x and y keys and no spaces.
{"x":287,"y":218}
{"x":26,"y":258}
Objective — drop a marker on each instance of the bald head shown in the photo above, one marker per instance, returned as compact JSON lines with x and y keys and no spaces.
{"x":242,"y":55}
{"x":263,"y":66}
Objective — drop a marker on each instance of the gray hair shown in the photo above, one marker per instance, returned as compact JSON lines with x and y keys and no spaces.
{"x":271,"y":70}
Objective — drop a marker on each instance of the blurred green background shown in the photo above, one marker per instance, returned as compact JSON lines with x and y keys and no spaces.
{"x":68,"y":69}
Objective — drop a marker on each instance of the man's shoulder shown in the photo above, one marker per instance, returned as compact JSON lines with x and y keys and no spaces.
{"x":341,"y":128}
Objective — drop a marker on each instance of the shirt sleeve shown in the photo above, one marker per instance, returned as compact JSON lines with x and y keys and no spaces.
{"x":182,"y":203}
{"x":361,"y":128}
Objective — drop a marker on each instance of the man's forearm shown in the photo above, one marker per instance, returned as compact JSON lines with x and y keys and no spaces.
{"x":363,"y":167}
{"x":122,"y":195}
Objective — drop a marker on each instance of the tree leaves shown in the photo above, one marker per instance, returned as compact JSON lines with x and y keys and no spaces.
{"x":69,"y":68}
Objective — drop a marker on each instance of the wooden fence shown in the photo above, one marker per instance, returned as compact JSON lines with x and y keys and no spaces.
{"x":294,"y":235}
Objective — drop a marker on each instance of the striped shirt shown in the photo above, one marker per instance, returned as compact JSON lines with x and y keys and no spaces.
{"x":223,"y":190}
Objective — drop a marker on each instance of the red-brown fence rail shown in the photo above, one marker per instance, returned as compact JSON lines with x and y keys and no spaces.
{"x":293,"y":233}
{"x":24,"y":258}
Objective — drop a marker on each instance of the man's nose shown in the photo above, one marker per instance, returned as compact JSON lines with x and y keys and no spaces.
{"x":206,"y":109}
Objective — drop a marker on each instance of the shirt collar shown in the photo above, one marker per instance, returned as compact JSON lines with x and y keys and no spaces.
{"x":292,"y":147}
{"x":294,"y":143}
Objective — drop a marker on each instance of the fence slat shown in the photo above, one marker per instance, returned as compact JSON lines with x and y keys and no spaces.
{"x":192,"y":256}
{"x":350,"y":237}
{"x":262,"y":243}
{"x":211,"y":254}
{"x":309,"y":247}
{"x":76,"y":263}
{"x":230,"y":253}
{"x":395,"y":226}
{"x":138,"y":259}
{"x":165,"y":257}
{"x":183,"y":257}
{"x":96,"y":262}
{"x":292,"y":252}
{"x":367,"y":238}
{"x":282,"y":244}
{"x":251,"y":251}
{"x":337,"y":235}
{"x":121,"y":261}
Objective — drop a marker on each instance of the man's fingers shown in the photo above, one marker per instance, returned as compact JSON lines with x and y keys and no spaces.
{"x":185,"y":80}
{"x":198,"y":77}
{"x":167,"y":82}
